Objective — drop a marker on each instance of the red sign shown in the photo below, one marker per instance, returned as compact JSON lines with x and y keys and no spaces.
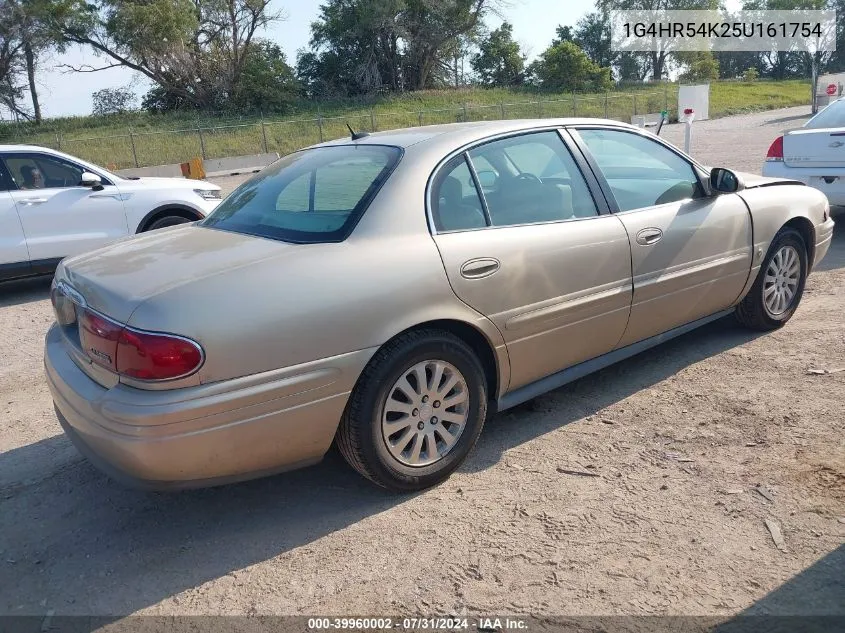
{"x":831,"y":89}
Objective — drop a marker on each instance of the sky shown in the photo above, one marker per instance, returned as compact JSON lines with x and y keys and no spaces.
{"x":69,"y":93}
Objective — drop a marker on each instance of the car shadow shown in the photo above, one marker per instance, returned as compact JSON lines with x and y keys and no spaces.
{"x":23,"y":291}
{"x":595,"y":392}
{"x":789,"y":119}
{"x":68,"y":521}
{"x":811,"y":602}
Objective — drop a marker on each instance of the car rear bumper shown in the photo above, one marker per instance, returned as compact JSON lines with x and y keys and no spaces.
{"x":812,"y":176}
{"x":206,"y":435}
{"x":824,"y":236}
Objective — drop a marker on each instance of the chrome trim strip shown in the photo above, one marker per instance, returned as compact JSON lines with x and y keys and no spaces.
{"x":569,"y":302}
{"x":681,"y":270}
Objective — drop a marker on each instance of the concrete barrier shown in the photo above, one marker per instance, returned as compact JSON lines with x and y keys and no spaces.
{"x":213,"y":167}
{"x":238,"y":164}
{"x":159,"y":171}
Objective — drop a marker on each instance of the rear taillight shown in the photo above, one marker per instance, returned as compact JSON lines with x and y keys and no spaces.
{"x":98,"y":337}
{"x":148,"y":356}
{"x":775,"y":152}
{"x":137,"y":354}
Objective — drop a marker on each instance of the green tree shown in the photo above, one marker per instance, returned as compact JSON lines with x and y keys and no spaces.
{"x":196,"y":49}
{"x":565,"y":66}
{"x":657,"y":60}
{"x":364,"y":46}
{"x":699,"y":66}
{"x":499,"y":61}
{"x":268,"y":83}
{"x":112,"y":101}
{"x":592,"y":34}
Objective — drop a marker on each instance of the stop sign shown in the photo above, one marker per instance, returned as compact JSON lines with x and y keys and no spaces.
{"x":831,"y":89}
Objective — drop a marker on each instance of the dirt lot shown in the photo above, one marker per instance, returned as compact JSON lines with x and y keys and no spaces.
{"x":678,"y":440}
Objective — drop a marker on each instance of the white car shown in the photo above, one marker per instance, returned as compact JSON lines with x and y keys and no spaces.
{"x":814,"y":153}
{"x":53,"y":205}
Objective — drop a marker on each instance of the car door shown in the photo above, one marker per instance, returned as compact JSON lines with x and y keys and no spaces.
{"x":691,"y":253}
{"x":14,"y":258}
{"x":525,"y":242}
{"x":59,"y":216}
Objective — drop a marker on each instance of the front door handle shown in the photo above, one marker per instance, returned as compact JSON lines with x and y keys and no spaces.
{"x":480,"y":267}
{"x":34,"y":200}
{"x":649,"y":236}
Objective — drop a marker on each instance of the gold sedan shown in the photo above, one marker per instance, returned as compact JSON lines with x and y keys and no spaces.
{"x":387,"y":292}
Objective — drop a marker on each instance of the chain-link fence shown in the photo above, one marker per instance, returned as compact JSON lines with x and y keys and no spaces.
{"x":145,"y":148}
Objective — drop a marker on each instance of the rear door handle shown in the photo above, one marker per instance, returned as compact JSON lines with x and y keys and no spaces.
{"x":478,"y":268}
{"x":649,"y":236}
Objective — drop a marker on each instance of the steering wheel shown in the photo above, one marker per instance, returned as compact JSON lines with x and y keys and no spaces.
{"x":526,"y":176}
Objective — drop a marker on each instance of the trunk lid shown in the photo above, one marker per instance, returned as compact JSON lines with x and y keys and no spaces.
{"x":116,"y":279}
{"x":814,"y":148}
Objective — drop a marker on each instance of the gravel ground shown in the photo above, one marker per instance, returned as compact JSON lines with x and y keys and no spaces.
{"x":670,"y":520}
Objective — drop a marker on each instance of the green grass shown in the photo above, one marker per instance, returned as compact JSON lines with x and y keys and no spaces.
{"x":178,"y":137}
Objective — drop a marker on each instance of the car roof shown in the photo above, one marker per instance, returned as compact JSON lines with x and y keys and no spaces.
{"x":468,"y":132}
{"x":49,"y":150}
{"x":25,"y":148}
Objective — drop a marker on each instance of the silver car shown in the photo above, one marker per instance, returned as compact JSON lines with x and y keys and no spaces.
{"x":388,"y":292}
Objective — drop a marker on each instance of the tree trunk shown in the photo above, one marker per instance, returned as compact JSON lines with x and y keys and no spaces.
{"x":30,"y":74}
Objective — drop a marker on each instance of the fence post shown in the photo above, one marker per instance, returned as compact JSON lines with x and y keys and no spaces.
{"x":419,"y":118}
{"x":58,"y":141}
{"x":202,"y":141}
{"x":372,"y":120}
{"x":502,"y":108}
{"x":466,"y":118}
{"x":574,"y":104}
{"x":320,"y":125}
{"x":666,"y":96}
{"x":539,"y":108}
{"x":606,"y":94}
{"x":264,"y":135}
{"x":132,"y":142}
{"x":635,"y":105}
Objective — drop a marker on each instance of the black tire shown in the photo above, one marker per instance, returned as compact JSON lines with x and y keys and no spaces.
{"x":168,"y":220}
{"x":752,"y":311}
{"x":360,"y":438}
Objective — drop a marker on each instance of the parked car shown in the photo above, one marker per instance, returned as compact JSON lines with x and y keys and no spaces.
{"x":389,"y":292}
{"x":53,"y":205}
{"x":814,"y":153}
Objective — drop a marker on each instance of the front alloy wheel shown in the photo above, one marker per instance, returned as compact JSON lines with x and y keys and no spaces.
{"x":779,"y":285}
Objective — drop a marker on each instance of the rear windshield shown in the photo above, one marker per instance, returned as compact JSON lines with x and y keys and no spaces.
{"x":316,"y":195}
{"x":832,"y":116}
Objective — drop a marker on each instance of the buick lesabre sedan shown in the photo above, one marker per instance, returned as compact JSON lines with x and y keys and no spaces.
{"x":388,"y":292}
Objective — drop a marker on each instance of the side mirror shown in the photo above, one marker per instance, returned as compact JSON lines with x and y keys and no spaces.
{"x":91,"y":180}
{"x":724,"y":181}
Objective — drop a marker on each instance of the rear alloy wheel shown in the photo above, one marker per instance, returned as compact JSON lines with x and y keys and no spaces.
{"x":169,"y":220}
{"x":779,"y":286}
{"x":416,"y":412}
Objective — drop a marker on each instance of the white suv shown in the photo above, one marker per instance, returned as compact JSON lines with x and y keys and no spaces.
{"x":53,"y":205}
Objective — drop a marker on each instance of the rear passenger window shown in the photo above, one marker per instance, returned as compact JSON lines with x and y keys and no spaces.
{"x":456,"y":205}
{"x":536,"y":180}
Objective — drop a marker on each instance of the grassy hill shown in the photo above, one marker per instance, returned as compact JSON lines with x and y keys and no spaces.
{"x":139,"y":138}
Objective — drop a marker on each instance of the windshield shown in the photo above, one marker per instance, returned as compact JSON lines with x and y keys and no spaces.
{"x":315,"y":195}
{"x":832,"y":116}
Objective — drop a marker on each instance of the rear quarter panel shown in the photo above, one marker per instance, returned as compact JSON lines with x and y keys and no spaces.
{"x":772,"y":207}
{"x":317,"y":301}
